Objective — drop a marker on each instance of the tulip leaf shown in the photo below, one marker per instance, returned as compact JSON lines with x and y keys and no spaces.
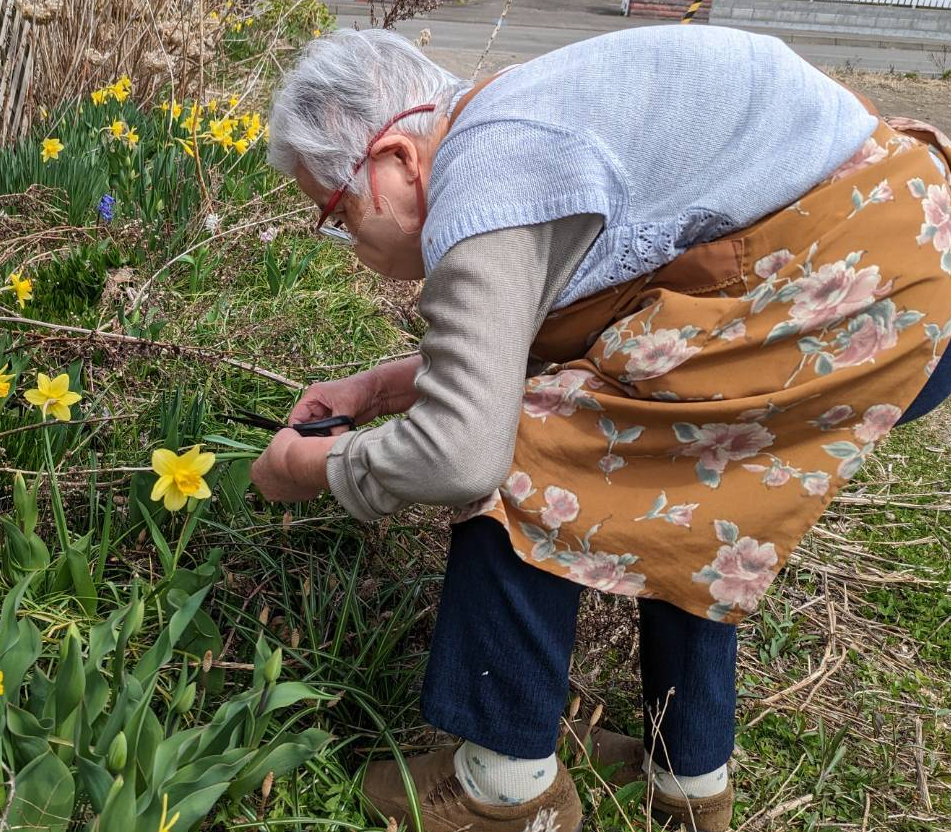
{"x":70,"y":683}
{"x":160,"y":652}
{"x":118,"y":815}
{"x":95,"y":782}
{"x":78,"y":565}
{"x":44,"y":796}
{"x":280,"y":756}
{"x":9,"y":632}
{"x":19,"y":658}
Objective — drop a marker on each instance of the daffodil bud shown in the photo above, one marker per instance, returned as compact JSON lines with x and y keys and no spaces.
{"x":184,"y":703}
{"x":206,"y":661}
{"x":272,"y":667}
{"x":118,"y":753}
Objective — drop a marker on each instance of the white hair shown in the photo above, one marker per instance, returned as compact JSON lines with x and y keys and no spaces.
{"x":344,"y":88}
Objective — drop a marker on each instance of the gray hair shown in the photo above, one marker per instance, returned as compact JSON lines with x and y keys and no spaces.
{"x":344,"y":88}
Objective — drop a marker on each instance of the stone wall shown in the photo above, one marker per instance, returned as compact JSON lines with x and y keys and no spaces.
{"x":885,"y":22}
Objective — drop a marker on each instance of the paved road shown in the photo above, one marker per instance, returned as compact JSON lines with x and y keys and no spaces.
{"x":533,"y":27}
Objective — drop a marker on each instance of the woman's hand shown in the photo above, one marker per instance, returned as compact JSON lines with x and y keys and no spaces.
{"x":293,"y":468}
{"x":357,"y":396}
{"x":384,"y":390}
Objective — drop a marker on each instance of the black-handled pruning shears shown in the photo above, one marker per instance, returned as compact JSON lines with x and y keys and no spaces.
{"x":322,"y":427}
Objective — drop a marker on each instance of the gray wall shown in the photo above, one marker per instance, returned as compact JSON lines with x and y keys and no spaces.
{"x":885,"y":23}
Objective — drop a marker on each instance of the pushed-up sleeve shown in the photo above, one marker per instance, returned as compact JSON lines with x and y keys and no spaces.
{"x":483,"y":303}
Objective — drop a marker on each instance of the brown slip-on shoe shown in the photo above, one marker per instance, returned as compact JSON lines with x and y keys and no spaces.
{"x":446,"y":807}
{"x":709,"y":814}
{"x":609,"y":748}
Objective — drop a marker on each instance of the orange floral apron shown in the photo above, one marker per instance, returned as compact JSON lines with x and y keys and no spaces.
{"x":700,"y":419}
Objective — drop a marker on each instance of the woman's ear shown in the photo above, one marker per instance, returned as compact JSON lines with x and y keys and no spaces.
{"x":403,"y":150}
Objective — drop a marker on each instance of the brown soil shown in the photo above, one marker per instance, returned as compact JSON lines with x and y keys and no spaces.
{"x":894,"y":95}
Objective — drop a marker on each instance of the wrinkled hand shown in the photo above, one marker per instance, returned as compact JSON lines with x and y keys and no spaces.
{"x":356,"y":396}
{"x":293,"y":468}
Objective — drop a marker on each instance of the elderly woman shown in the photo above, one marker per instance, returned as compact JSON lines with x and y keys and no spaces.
{"x":678,"y":283}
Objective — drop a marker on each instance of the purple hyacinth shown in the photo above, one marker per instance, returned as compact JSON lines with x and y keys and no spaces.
{"x":106,"y":207}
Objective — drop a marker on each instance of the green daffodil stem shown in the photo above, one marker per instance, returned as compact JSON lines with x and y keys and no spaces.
{"x":59,"y":515}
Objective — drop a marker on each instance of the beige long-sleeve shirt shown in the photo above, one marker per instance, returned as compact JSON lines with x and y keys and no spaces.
{"x":484,"y":304}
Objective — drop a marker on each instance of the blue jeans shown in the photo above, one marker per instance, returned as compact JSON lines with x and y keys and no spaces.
{"x":498,"y":665}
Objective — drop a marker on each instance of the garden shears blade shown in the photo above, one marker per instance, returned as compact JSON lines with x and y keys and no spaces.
{"x":321,"y":427}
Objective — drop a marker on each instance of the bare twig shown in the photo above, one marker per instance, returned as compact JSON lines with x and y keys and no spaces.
{"x":47,"y":424}
{"x":157,"y":345}
{"x":11,"y":794}
{"x":920,"y":771}
{"x":495,"y":32}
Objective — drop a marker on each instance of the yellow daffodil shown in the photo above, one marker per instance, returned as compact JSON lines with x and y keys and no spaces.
{"x":245,"y":119}
{"x":53,"y":396}
{"x":132,"y":137}
{"x":4,"y":391}
{"x":214,"y":15}
{"x":316,"y":33}
{"x":22,"y":286}
{"x":164,"y":824}
{"x":98,"y":97}
{"x":188,"y":147}
{"x":1,"y":683}
{"x":121,"y":89}
{"x":212,"y":105}
{"x":241,"y":145}
{"x":221,"y":131}
{"x":192,"y":123}
{"x":117,"y":128}
{"x":254,"y":127}
{"x":51,"y":149}
{"x":181,"y":477}
{"x":233,"y":101}
{"x":249,"y":21}
{"x":236,"y":27}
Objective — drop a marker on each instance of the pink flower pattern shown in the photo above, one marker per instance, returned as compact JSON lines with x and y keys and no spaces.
{"x":718,"y":444}
{"x":561,"y":506}
{"x":833,"y":292}
{"x":877,"y":421}
{"x":773,"y":263}
{"x":655,"y":354}
{"x":870,"y":336}
{"x":607,"y":572}
{"x":559,"y":395}
{"x":740,"y":574}
{"x":871,"y":153}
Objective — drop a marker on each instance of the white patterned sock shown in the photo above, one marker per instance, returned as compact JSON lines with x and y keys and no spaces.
{"x":501,"y":780}
{"x":703,"y":785}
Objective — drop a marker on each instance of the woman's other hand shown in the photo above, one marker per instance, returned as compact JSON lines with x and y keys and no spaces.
{"x":293,"y":468}
{"x":357,"y":396}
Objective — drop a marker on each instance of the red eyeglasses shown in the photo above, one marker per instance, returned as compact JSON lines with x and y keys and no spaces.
{"x":337,"y":195}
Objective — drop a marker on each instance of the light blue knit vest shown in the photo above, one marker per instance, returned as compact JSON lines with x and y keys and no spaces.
{"x":677,"y":135}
